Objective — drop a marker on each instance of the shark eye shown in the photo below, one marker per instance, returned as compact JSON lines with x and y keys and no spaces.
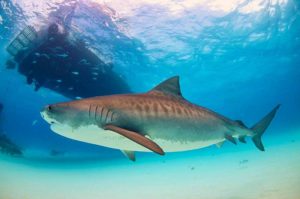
{"x":49,"y":108}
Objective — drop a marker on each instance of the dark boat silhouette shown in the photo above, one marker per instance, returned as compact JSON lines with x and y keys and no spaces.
{"x":53,"y":59}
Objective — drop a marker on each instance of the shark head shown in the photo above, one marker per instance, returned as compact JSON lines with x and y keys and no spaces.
{"x":72,"y":114}
{"x":85,"y":120}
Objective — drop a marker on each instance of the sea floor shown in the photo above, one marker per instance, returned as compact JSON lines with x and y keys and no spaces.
{"x":246,"y":174}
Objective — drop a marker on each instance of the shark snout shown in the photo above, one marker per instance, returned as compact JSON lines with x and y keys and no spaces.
{"x":48,"y":108}
{"x":46,"y":114}
{"x":45,"y":110}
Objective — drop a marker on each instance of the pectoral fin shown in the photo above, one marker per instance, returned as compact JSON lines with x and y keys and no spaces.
{"x":129,"y":154}
{"x":136,"y":137}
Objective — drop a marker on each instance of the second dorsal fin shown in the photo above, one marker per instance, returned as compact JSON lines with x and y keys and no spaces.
{"x":240,"y":123}
{"x":170,"y":86}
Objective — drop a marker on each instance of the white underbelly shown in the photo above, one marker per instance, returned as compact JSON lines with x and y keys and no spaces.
{"x":94,"y":135}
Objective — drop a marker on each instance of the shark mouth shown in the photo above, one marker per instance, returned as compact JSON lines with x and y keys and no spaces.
{"x":49,"y":120}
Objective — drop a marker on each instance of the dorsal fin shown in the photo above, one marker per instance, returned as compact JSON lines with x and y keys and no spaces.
{"x":170,"y":86}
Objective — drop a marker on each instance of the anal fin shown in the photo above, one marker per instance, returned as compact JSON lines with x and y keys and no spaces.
{"x":242,"y":139}
{"x":230,"y":138}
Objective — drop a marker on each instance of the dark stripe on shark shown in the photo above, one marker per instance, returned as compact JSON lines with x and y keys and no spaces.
{"x":90,"y":110}
{"x":106,"y":115}
{"x":112,"y":116}
{"x":101,"y":114}
{"x":164,"y":109}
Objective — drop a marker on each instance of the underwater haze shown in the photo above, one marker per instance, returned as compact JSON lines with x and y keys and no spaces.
{"x":239,"y":58}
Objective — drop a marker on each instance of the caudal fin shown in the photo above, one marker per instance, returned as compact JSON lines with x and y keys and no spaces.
{"x":260,"y":127}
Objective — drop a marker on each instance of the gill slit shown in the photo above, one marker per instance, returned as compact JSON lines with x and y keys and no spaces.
{"x":112,"y":116}
{"x":96,"y":113}
{"x":106,"y":115}
{"x":101,"y":114}
{"x":90,"y":110}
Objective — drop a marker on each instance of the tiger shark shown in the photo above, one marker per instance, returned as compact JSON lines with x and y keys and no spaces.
{"x":160,"y":121}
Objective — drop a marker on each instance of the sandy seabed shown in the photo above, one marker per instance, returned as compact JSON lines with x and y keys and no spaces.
{"x":247,"y":174}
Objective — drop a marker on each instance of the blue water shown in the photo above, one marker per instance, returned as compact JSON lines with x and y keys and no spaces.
{"x":238,"y":58}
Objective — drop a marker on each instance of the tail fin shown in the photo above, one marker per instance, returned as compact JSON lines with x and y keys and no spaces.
{"x":260,"y":127}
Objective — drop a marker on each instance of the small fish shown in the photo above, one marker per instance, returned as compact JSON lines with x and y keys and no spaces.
{"x":83,"y":61}
{"x":244,"y":161}
{"x":58,"y":48}
{"x":64,"y":55}
{"x":34,"y":122}
{"x":56,"y":153}
{"x":45,"y":56}
{"x":75,"y":73}
{"x":59,"y":80}
{"x":24,"y":48}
